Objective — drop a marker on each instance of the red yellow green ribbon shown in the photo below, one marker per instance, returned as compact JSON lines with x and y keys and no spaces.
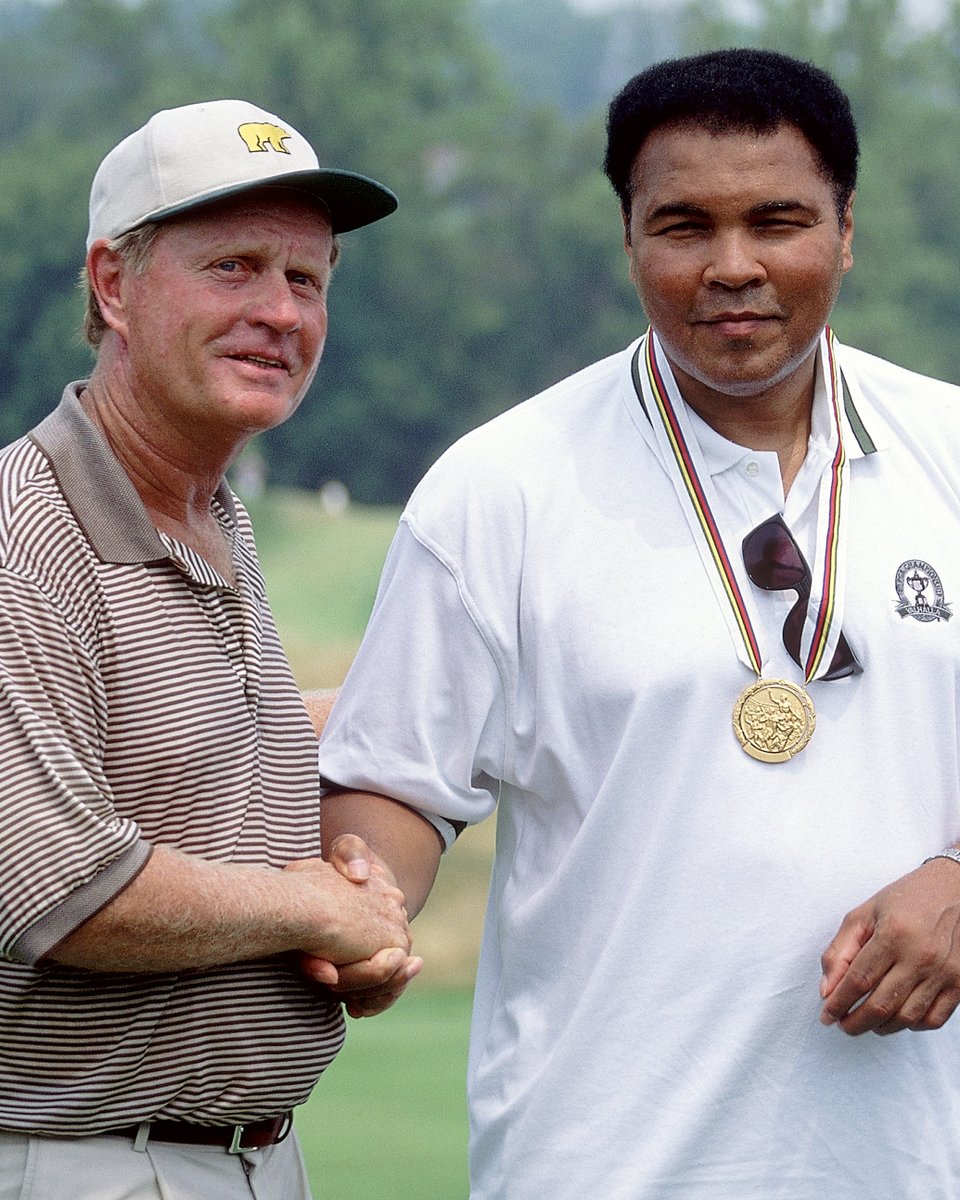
{"x":691,"y":481}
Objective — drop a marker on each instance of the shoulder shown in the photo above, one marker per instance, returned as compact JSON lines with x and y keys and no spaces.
{"x":29,"y":494}
{"x":528,"y":447}
{"x":888,"y":384}
{"x":21,"y":462}
{"x":901,"y":408}
{"x":43,"y":551}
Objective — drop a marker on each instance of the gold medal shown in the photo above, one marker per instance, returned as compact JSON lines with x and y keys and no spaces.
{"x":773,"y":720}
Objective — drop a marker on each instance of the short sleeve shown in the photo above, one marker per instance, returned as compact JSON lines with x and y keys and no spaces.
{"x":66,"y":851}
{"x":422,"y":713}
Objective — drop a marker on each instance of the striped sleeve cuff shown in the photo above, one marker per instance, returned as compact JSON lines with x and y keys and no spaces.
{"x":44,"y":935}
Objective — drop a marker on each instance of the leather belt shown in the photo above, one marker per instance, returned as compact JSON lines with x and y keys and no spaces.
{"x":234,"y":1139}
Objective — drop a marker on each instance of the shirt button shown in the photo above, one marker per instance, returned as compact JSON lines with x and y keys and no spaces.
{"x":752,"y":469}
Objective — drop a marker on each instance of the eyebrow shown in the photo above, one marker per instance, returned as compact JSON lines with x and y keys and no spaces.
{"x":682,"y":209}
{"x":779,"y":206}
{"x":678,"y":209}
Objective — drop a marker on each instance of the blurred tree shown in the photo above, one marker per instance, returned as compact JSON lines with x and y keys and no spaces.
{"x":77,"y":77}
{"x":503,"y":269}
{"x":572,"y":58}
{"x":396,"y":89}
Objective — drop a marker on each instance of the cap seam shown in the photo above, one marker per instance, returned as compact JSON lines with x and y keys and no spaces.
{"x":154,"y":159}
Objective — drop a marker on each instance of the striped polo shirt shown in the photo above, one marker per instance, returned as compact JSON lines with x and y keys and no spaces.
{"x":142,"y":701}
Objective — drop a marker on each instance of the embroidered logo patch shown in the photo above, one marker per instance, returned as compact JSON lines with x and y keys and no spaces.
{"x":921,"y":592}
{"x":258,"y":135}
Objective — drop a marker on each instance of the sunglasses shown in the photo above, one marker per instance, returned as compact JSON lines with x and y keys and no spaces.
{"x":775,"y":563}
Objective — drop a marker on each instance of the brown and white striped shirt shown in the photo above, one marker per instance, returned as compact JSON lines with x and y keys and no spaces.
{"x":142,"y":701}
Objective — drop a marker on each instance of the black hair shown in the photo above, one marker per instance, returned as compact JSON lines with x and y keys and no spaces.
{"x":729,"y":91}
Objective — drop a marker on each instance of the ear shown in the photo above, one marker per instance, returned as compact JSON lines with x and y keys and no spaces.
{"x":628,"y":248}
{"x":105,"y":274}
{"x":846,"y":233}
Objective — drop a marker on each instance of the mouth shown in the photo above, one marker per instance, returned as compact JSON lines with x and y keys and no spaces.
{"x":738,"y":324}
{"x":263,"y":362}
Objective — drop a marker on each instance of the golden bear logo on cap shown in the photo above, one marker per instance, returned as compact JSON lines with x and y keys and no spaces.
{"x":258,"y":135}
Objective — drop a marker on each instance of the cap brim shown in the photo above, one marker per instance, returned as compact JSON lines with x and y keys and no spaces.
{"x":351,"y":200}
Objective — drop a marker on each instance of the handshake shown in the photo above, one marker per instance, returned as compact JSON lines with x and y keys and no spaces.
{"x":365,"y":956}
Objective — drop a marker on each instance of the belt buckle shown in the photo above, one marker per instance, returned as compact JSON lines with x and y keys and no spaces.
{"x":235,"y":1147}
{"x":285,"y":1125}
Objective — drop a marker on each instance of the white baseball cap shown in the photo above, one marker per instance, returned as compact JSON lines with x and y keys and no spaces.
{"x":184,"y":157}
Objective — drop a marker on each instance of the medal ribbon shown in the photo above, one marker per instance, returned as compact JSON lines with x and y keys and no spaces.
{"x":823,"y":604}
{"x":822,"y":628}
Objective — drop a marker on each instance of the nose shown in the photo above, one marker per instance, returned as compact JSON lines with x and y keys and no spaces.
{"x":274,"y":304}
{"x":733,"y":262}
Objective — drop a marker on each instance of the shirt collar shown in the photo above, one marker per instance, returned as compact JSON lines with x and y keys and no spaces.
{"x":720,"y":454}
{"x":98,"y":490}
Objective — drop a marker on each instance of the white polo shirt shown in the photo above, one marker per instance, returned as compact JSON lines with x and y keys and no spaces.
{"x":546,"y":638}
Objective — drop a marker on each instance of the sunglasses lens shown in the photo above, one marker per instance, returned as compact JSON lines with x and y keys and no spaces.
{"x":772,"y":559}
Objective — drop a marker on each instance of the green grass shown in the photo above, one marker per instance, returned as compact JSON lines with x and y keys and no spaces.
{"x":322,"y":573}
{"x":388,"y":1120}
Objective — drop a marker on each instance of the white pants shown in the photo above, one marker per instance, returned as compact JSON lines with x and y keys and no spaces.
{"x":108,"y":1168}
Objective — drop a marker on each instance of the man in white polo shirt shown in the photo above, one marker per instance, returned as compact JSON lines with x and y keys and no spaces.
{"x":160,"y":869}
{"x":685,"y":621}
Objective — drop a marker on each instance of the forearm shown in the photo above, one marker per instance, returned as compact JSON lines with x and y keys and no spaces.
{"x":183,"y":911}
{"x":407,"y":843}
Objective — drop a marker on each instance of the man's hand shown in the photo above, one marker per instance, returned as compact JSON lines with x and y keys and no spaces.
{"x":372,"y":985}
{"x":366,"y":916}
{"x":895,"y":961}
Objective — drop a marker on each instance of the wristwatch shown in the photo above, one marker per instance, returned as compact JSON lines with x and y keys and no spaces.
{"x":950,"y":852}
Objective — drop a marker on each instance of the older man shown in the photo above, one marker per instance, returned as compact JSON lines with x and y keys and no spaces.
{"x":686,"y":618}
{"x":161,"y":868}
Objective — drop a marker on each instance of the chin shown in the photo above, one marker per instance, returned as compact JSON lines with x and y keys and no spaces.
{"x":265,"y":408}
{"x":742,"y":389}
{"x":744,"y":384}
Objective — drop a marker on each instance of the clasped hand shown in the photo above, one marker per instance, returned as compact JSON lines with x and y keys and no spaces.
{"x":372,"y":985}
{"x":895,"y":961}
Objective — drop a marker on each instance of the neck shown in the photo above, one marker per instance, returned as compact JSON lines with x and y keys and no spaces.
{"x":175,"y":488}
{"x":777,"y":419}
{"x":164,"y":485}
{"x":174,"y":471}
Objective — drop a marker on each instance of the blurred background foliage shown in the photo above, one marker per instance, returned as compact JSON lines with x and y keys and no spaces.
{"x":503,"y":269}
